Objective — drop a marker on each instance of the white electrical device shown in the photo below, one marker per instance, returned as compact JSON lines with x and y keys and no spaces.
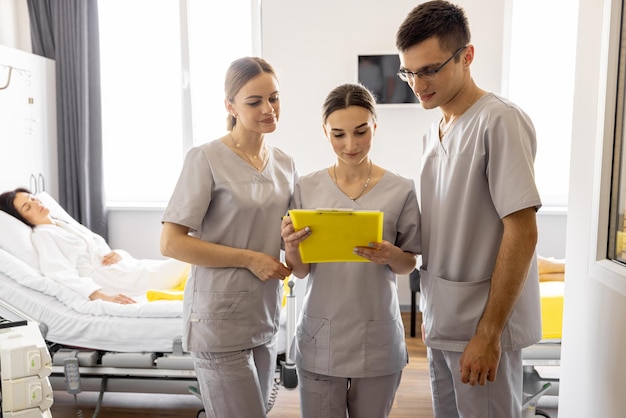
{"x":25,"y":365}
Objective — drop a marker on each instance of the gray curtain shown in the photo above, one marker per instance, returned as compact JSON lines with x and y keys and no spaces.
{"x":67,"y":32}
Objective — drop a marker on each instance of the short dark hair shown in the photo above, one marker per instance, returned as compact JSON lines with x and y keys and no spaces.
{"x":6,"y":203}
{"x":346,"y":95}
{"x":238,"y":74}
{"x":436,"y":18}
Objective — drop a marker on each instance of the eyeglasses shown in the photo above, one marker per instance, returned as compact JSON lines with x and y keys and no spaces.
{"x":430,"y":74}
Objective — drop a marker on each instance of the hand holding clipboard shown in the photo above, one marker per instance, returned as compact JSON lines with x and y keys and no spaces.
{"x":336,"y":232}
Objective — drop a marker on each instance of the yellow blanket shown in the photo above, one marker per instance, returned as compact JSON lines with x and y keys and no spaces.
{"x":175,"y":293}
{"x":551,"y":287}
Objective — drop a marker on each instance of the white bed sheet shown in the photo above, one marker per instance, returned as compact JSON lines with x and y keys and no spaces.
{"x":71,"y":320}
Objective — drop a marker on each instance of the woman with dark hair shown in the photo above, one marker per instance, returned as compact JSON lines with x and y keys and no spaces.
{"x":224,"y":219}
{"x":350,"y":348}
{"x":6,"y":204}
{"x":82,"y":261}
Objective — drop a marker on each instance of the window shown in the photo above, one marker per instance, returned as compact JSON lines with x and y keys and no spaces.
{"x":162,"y":87}
{"x":617,"y":219}
{"x":541,"y":82}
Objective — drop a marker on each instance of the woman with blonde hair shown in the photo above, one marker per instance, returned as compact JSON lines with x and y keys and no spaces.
{"x":224,"y":219}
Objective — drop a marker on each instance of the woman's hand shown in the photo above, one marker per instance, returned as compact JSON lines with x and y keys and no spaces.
{"x":119,"y":298}
{"x":378,"y":252}
{"x":111,"y":258}
{"x":384,"y":252}
{"x":266,"y":267}
{"x":292,"y":240}
{"x":291,"y":237}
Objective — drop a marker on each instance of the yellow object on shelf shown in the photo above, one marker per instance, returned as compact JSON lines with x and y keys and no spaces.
{"x":551,"y":309}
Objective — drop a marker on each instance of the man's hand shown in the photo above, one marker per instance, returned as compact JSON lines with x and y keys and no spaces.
{"x":480,"y":359}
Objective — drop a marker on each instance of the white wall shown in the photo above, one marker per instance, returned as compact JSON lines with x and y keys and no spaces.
{"x":14,"y":26}
{"x":593,"y":366}
{"x":314,"y":47}
{"x":136,"y":230}
{"x":551,"y":224}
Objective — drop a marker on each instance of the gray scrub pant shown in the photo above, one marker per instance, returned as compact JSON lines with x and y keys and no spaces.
{"x":324,"y":396}
{"x":454,"y":399}
{"x":236,"y":384}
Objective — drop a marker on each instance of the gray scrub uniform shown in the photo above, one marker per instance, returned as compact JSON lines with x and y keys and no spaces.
{"x":350,"y":325}
{"x":480,"y":172}
{"x":223,"y":200}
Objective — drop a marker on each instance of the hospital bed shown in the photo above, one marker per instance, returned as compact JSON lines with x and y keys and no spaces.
{"x":119,"y":348}
{"x":132,"y":350}
{"x":137,"y":352}
{"x":133,"y":347}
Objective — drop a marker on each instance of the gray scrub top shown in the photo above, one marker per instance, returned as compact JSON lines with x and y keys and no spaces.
{"x":223,"y":200}
{"x":350,"y":325}
{"x":482,"y":171}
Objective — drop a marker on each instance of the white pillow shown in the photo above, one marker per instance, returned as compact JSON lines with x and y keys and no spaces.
{"x":15,"y":239}
{"x":15,"y":235}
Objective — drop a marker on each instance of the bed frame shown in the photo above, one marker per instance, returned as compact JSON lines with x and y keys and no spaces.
{"x":145,"y":372}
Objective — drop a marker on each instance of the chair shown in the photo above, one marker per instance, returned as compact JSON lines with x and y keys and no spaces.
{"x":414,"y":284}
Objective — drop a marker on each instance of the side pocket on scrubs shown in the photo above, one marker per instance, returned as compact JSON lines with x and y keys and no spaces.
{"x":454,"y":309}
{"x":313,"y":344}
{"x":209,"y":306}
{"x":385,"y":349}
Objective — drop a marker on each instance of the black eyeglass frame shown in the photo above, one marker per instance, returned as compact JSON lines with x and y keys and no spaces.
{"x":406,"y":75}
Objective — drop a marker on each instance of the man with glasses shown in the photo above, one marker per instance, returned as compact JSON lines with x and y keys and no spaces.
{"x":479,"y":280}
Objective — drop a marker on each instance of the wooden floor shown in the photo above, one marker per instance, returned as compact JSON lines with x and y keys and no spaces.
{"x":412,"y":399}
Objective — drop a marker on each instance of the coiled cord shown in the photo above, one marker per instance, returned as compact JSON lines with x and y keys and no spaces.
{"x":274,"y":392}
{"x":79,"y":412}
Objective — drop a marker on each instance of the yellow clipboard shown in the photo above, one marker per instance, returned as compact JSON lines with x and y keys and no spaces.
{"x":335,"y":233}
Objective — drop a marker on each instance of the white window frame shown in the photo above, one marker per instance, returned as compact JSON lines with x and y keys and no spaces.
{"x":606,"y":271}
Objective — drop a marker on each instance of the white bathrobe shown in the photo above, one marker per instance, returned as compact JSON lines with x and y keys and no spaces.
{"x":71,"y":255}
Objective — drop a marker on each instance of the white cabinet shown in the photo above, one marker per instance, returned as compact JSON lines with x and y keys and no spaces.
{"x":28,"y":141}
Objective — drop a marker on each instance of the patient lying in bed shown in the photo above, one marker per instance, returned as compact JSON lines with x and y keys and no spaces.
{"x":82,"y":261}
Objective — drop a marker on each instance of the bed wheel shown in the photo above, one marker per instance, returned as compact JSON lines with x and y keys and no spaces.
{"x":540,"y":413}
{"x":201,"y":414}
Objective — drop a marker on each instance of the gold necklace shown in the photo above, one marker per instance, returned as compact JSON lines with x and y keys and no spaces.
{"x":252,"y":159}
{"x":367,"y":182}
